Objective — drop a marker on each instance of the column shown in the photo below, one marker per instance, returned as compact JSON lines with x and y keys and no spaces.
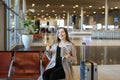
{"x":81,"y":24}
{"x":24,"y":7}
{"x":106,"y":14}
{"x":68,"y":19}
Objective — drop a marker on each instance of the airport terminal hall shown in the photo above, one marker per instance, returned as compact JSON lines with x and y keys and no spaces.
{"x":59,"y":39}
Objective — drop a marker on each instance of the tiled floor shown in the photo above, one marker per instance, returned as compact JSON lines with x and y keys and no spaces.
{"x":105,"y":72}
{"x":109,"y":72}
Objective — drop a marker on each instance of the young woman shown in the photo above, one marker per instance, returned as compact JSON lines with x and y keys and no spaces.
{"x":62,"y":55}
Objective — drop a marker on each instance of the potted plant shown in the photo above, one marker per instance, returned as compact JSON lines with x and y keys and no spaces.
{"x":28,"y":31}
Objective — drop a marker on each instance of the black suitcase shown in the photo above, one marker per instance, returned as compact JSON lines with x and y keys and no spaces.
{"x":88,"y":68}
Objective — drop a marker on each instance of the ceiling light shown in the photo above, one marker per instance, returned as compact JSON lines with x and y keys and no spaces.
{"x":116,"y":7}
{"x":33,"y":5}
{"x":38,"y":14}
{"x":111,"y":8}
{"x":31,"y":10}
{"x":34,"y":16}
{"x":94,"y":12}
{"x":74,"y":11}
{"x":45,"y":18}
{"x":63,"y":14}
{"x":90,"y":6}
{"x":47,"y":5}
{"x":62,"y":5}
{"x":76,"y":5}
{"x":103,"y":6}
{"x":99,"y":8}
{"x":103,"y":12}
{"x":53,"y":10}
{"x":42,"y":16}
{"x":64,"y":11}
{"x":42,"y":10}
{"x":55,"y":14}
{"x":87,"y":15}
{"x":84,"y":11}
{"x":47,"y":14}
{"x":72,"y":14}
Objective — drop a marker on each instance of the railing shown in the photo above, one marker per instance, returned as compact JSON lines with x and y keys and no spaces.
{"x":106,"y":34}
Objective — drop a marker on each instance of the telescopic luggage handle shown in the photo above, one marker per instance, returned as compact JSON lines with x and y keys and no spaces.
{"x":83,"y":50}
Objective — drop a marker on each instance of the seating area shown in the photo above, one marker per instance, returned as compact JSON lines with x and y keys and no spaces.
{"x":5,"y":60}
{"x":21,"y":64}
{"x":36,"y":35}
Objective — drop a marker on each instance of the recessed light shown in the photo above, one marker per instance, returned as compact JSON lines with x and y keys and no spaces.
{"x":94,"y":12}
{"x":53,"y":10}
{"x":103,"y":12}
{"x":103,"y":6}
{"x":90,"y":6}
{"x":47,"y":14}
{"x":47,"y":5}
{"x":42,"y":10}
{"x":76,"y":5}
{"x":62,"y":5}
{"x":33,"y":5}
{"x":38,"y":14}
{"x":111,"y":8}
{"x":116,"y":7}
{"x":64,"y":11}
{"x":74,"y":11}
{"x":99,"y":8}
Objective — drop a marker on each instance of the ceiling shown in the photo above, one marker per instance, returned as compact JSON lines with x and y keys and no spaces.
{"x":41,"y":11}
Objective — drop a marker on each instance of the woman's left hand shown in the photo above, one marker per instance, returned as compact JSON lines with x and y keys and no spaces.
{"x":67,"y":55}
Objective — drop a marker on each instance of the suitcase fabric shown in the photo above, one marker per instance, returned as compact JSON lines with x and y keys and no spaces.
{"x":88,"y":69}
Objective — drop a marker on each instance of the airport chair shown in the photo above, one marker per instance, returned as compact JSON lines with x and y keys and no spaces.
{"x":5,"y":60}
{"x":37,"y":36}
{"x":26,"y":64}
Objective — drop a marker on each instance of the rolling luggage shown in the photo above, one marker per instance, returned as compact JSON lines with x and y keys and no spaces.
{"x":88,"y":68}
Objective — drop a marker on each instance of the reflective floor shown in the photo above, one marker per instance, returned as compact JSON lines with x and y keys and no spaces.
{"x":101,"y":51}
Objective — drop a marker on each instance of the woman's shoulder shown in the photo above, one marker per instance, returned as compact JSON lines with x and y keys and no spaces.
{"x":70,"y":43}
{"x":55,"y":44}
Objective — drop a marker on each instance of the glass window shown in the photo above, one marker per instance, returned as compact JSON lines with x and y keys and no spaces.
{"x":12,"y":24}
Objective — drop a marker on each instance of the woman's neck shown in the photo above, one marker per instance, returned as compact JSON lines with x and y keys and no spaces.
{"x":62,"y":43}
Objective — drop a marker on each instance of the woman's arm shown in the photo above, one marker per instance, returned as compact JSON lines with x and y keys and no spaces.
{"x":50,"y":51}
{"x":70,"y":55}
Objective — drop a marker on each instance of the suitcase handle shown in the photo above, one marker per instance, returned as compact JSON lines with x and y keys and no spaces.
{"x":83,"y":51}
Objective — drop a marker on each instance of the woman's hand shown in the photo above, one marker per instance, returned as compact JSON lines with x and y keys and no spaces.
{"x":67,"y":55}
{"x":48,"y":47}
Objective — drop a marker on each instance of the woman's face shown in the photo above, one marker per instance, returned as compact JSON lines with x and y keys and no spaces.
{"x":61,"y":34}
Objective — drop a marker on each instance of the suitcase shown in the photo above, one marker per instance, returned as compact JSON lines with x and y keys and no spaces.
{"x":88,"y":68}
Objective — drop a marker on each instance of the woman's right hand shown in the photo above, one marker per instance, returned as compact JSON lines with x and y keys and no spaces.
{"x":48,"y":47}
